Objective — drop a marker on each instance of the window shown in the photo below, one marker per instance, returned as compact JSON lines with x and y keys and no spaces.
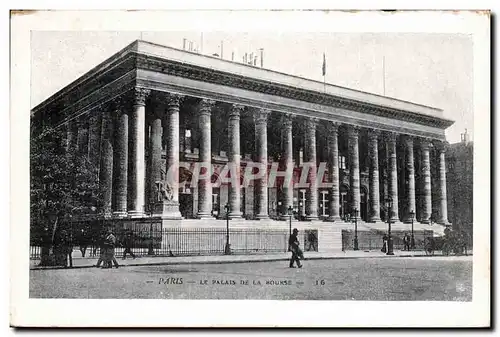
{"x":302,"y":202}
{"x":323,"y":203}
{"x":451,"y":165}
{"x":342,"y":163}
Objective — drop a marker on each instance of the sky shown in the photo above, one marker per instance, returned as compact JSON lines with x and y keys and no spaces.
{"x":429,"y":69}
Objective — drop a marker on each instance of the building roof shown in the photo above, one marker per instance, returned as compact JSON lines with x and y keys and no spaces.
{"x":147,"y":55}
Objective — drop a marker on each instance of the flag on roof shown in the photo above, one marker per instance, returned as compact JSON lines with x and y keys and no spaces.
{"x":324,"y":64}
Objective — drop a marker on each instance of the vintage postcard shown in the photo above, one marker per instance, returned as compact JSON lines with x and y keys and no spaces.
{"x":250,"y":168}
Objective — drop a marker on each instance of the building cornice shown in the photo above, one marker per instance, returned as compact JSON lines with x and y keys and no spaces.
{"x":139,"y":55}
{"x":193,"y":72}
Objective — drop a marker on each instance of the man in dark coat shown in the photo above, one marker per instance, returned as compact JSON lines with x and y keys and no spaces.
{"x":406,"y":242}
{"x":294,"y":246}
{"x":128,"y":243}
{"x":385,"y":238}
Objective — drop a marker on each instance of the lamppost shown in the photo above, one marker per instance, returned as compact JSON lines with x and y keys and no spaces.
{"x":389,"y":237}
{"x":356,"y":246}
{"x":412,"y":216}
{"x":227,"y":248}
{"x":290,"y":214}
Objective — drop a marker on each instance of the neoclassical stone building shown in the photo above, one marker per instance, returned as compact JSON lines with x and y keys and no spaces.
{"x":149,"y":108}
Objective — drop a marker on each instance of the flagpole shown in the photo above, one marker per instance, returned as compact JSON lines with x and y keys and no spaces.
{"x":383,"y":71}
{"x":324,"y":71}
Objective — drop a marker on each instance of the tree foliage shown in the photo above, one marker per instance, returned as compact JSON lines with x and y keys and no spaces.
{"x":63,"y":184}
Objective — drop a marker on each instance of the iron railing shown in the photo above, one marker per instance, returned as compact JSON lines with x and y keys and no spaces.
{"x":373,"y":240}
{"x":153,"y":240}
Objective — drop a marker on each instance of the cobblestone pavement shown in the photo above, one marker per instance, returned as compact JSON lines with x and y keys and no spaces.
{"x":413,"y":278}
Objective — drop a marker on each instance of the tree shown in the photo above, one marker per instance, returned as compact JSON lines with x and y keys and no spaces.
{"x":63,"y":184}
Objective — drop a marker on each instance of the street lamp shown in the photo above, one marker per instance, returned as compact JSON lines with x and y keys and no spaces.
{"x":412,"y":216}
{"x":356,"y":246}
{"x":290,"y":214}
{"x":389,"y":237}
{"x":227,"y":248}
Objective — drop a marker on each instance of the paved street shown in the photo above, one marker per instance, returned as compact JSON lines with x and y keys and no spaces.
{"x":415,"y":278}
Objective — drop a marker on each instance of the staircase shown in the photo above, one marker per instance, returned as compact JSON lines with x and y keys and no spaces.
{"x":330,"y":238}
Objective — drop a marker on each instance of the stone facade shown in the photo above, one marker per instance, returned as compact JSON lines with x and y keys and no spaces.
{"x":153,"y":116}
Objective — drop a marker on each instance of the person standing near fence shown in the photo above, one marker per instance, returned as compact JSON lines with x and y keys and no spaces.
{"x":108,"y":256}
{"x":294,"y":246}
{"x":406,"y":242}
{"x":66,"y":248}
{"x":384,"y":243}
{"x":128,"y":243}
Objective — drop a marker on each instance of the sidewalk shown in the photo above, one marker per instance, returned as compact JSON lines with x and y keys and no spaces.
{"x":79,"y":262}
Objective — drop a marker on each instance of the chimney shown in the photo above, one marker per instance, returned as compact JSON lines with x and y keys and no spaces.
{"x":232,"y":56}
{"x":184,"y":44}
{"x":465,"y":137}
{"x":222,"y":49}
{"x":201,"y":43}
{"x":261,"y":57}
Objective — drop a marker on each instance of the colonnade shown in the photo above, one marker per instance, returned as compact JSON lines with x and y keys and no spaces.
{"x":118,"y":141}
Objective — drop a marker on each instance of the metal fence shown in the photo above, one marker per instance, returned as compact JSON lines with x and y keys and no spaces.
{"x":372,"y":240}
{"x":151,"y":239}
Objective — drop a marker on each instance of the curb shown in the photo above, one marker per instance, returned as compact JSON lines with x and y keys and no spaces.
{"x":166,"y":263}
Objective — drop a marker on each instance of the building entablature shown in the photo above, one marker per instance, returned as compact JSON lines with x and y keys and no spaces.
{"x":164,"y":69}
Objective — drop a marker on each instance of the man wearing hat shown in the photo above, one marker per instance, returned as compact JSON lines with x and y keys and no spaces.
{"x":294,"y":246}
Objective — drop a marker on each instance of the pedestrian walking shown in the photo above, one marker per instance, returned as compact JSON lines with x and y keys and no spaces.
{"x":108,"y":256}
{"x":313,"y":242}
{"x":294,"y":247}
{"x":128,"y":243}
{"x":110,"y":243}
{"x":102,"y":249}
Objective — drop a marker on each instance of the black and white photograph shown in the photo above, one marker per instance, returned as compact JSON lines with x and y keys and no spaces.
{"x":188,"y":162}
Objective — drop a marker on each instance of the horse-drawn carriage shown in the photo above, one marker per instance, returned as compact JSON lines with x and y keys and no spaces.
{"x":450,"y":243}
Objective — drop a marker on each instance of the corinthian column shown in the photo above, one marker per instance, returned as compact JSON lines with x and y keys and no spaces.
{"x":71,"y":137}
{"x":310,"y":152}
{"x":167,"y":205}
{"x":136,"y":153}
{"x":260,"y":118}
{"x":205,"y":185}
{"x":374,"y":176}
{"x":95,"y":137}
{"x":234,"y":161}
{"x":353,"y":142}
{"x":393,"y":176}
{"x":426,"y":173}
{"x":83,"y":136}
{"x":155,"y":154}
{"x":106,"y":163}
{"x":288,"y":160}
{"x":120,"y":161}
{"x":443,"y":203}
{"x":410,"y":169}
{"x":333,"y":171}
